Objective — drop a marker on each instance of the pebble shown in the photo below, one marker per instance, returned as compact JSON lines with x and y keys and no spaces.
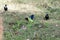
{"x":28,"y":39}
{"x":23,"y":27}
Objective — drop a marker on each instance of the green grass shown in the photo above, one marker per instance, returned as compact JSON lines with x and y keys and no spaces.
{"x":47,"y":31}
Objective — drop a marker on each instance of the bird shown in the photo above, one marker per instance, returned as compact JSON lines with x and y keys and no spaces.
{"x":46,"y":17}
{"x":28,"y":19}
{"x":32,"y":16}
{"x":5,"y":7}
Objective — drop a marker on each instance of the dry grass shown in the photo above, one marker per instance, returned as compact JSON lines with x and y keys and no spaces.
{"x":40,"y":29}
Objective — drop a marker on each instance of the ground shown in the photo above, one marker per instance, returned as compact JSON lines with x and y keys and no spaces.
{"x":1,"y":28}
{"x":15,"y":27}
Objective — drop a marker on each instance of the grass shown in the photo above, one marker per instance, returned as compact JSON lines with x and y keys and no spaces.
{"x":47,"y":30}
{"x":40,"y":29}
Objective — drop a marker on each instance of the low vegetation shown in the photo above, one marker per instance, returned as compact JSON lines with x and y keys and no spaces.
{"x":17,"y":28}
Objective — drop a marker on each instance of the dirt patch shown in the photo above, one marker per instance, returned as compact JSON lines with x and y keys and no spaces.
{"x":1,"y":29}
{"x":21,"y":7}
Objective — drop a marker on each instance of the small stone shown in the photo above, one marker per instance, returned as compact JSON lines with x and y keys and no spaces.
{"x":56,"y":25}
{"x":28,"y":39}
{"x":23,"y":27}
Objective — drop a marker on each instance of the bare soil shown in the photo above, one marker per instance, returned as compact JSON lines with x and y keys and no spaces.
{"x":1,"y":28}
